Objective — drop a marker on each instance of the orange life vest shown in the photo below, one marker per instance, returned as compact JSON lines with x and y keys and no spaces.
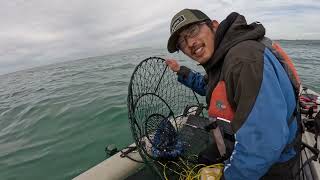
{"x":220,"y":107}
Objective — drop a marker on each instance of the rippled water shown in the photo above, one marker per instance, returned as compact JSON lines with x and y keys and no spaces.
{"x":56,"y":120}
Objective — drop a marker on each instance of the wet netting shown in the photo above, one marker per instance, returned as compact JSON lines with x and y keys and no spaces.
{"x":166,"y":120}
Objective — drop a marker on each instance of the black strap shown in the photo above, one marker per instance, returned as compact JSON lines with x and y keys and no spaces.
{"x":129,"y":150}
{"x":199,"y":109}
{"x":315,"y":151}
{"x":317,"y":129}
{"x":298,"y":143}
{"x":211,"y":126}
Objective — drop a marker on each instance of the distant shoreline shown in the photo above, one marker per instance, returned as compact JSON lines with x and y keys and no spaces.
{"x":60,"y":60}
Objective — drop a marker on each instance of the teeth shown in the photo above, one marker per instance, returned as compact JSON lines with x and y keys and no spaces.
{"x":198,"y":50}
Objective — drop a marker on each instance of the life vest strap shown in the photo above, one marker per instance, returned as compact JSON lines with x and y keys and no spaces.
{"x":218,"y":137}
{"x":212,"y":125}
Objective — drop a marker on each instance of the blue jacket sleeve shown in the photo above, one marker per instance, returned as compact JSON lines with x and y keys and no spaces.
{"x":193,"y":80}
{"x":264,"y":134}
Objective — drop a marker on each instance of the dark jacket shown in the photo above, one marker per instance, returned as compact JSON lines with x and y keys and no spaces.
{"x":260,"y":94}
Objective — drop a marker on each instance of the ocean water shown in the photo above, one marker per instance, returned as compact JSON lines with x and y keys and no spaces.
{"x":56,"y":120}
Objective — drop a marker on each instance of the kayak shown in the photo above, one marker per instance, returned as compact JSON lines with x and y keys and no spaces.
{"x":120,"y":167}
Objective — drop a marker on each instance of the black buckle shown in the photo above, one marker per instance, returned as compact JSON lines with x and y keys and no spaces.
{"x":211,"y":126}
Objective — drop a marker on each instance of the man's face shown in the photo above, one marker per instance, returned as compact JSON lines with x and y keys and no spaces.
{"x":197,"y":42}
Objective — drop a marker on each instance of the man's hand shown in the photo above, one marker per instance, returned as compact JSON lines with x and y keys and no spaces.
{"x":173,"y":64}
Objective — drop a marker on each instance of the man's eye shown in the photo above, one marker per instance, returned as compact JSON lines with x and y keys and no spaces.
{"x":180,"y":40}
{"x":193,"y":30}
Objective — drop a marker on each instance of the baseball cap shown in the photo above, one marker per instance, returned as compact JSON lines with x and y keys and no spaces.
{"x":182,"y":19}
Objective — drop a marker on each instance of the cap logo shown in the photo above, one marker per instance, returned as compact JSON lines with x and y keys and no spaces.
{"x":176,"y":22}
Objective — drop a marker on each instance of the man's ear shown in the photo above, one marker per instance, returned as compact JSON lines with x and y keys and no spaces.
{"x":214,"y":24}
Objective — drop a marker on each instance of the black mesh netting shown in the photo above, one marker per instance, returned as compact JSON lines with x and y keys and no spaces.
{"x":161,"y":114}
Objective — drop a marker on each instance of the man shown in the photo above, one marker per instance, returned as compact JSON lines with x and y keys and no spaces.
{"x":241,"y":66}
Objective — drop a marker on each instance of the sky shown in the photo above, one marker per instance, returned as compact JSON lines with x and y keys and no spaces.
{"x":38,"y":32}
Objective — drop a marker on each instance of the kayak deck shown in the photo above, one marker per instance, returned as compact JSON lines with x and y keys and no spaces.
{"x":117,"y":167}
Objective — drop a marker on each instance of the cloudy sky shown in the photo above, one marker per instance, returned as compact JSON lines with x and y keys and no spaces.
{"x":38,"y":32}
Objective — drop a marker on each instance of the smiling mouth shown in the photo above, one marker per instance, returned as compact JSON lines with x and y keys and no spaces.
{"x":198,"y":50}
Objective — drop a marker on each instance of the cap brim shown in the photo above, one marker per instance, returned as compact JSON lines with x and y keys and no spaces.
{"x":172,"y":42}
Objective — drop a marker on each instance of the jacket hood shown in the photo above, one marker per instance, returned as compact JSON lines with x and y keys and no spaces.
{"x":231,"y":31}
